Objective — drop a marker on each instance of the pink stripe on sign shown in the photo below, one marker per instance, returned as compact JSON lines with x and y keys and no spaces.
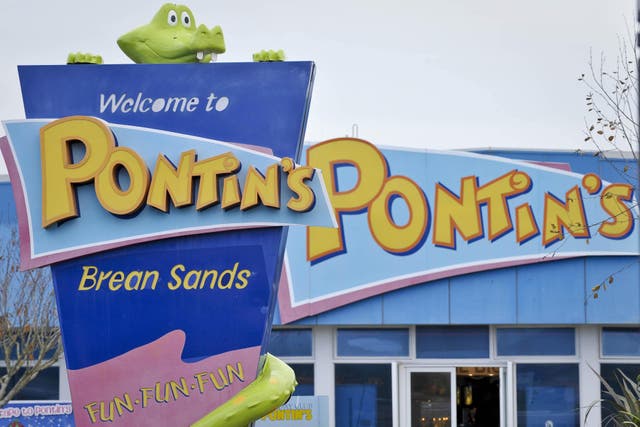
{"x":152,"y":386}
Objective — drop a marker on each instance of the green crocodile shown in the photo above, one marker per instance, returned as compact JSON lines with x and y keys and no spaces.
{"x":172,"y":37}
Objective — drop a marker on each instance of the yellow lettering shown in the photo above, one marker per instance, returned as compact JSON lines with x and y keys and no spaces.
{"x":495,"y":195}
{"x":104,"y":415}
{"x":60,"y":173}
{"x":237,"y":372}
{"x":258,"y":188}
{"x":211,"y":276}
{"x":116,"y":281}
{"x":243,"y":281}
{"x":387,"y":233}
{"x":109,"y":190}
{"x":125,"y":403}
{"x":217,"y":384}
{"x":147,"y":393}
{"x":453,"y":213}
{"x":91,"y":409}
{"x":208,"y":170}
{"x":201,"y":380}
{"x":88,"y":275}
{"x":160,"y":398}
{"x":526,"y":226}
{"x":172,"y":181}
{"x":620,"y":222}
{"x":230,"y":192}
{"x":230,"y":274}
{"x":173,"y":286}
{"x":296,"y":181}
{"x":372,"y":172}
{"x":191,"y":279}
{"x":181,"y":388}
{"x":560,"y":216}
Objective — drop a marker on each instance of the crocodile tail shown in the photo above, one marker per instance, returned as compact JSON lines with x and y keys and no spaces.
{"x":271,"y":389}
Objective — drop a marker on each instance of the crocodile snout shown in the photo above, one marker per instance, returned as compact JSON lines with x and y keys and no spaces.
{"x":209,"y":40}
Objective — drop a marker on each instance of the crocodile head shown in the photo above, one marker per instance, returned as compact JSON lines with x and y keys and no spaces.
{"x":172,"y":37}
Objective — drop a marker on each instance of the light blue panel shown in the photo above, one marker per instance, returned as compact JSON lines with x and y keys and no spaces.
{"x":373,"y":342}
{"x":484,"y":298}
{"x":620,"y":302}
{"x":366,"y":312}
{"x":426,"y":304}
{"x":551,"y":292}
{"x":307,"y":321}
{"x":621,"y":341}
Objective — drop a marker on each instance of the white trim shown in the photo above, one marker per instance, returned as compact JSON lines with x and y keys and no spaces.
{"x":395,"y":398}
{"x":511,"y":400}
{"x":589,"y":384}
{"x":405,"y":388}
{"x":324,"y":371}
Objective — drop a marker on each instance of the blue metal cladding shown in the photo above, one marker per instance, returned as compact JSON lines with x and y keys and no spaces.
{"x":545,"y":294}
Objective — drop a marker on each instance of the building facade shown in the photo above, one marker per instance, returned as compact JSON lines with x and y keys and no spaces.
{"x":500,"y":343}
{"x":517,"y":345}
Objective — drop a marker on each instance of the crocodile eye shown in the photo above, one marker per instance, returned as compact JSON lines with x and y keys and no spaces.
{"x":186,"y":20}
{"x":172,"y":18}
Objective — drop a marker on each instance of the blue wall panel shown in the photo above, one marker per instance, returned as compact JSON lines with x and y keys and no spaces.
{"x":421,"y":304}
{"x":610,"y":169}
{"x":307,"y":321}
{"x":620,"y":302}
{"x":366,"y":312}
{"x":551,"y":292}
{"x":484,"y":298}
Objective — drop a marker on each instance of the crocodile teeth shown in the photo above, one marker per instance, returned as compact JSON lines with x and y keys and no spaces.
{"x":200,"y":56}
{"x":214,"y":57}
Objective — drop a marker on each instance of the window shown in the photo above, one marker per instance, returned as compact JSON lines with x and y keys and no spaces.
{"x":373,"y":342}
{"x":610,"y":372}
{"x":547,"y":392}
{"x":435,"y":342}
{"x":305,"y":378}
{"x":536,"y":341}
{"x":291,"y":343}
{"x":363,"y":395}
{"x":621,"y":341}
{"x":44,"y":387}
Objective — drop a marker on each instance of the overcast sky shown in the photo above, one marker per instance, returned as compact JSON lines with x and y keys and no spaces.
{"x":415,"y":73}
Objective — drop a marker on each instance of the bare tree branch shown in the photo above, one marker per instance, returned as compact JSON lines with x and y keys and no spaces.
{"x":29,"y":332}
{"x":612,"y":123}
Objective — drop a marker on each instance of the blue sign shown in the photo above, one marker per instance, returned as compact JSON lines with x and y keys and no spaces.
{"x":299,"y":411}
{"x":162,"y":320}
{"x":409,"y":216}
{"x":35,"y":414}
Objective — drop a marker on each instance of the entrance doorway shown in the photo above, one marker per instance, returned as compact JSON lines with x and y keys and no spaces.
{"x":466,"y":396}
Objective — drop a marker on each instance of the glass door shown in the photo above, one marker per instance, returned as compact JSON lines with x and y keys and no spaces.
{"x":431,"y":397}
{"x":448,"y":396}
